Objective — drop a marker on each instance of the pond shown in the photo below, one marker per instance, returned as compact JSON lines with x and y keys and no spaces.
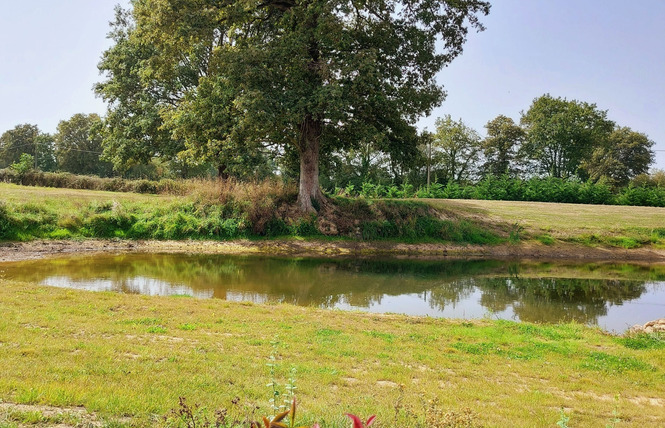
{"x":613,"y":296}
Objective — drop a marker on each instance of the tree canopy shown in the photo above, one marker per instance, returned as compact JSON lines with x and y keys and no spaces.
{"x":624,"y":155}
{"x":28,"y":139}
{"x":562,"y":133}
{"x":133,"y":131}
{"x":310,"y":76}
{"x":456,"y":149}
{"x":501,"y":146}
{"x":78,"y":146}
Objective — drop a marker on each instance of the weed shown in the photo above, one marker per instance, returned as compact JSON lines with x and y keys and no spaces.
{"x":602,"y":361}
{"x":195,"y":416}
{"x":435,"y":417}
{"x":643,"y":341}
{"x":273,"y":385}
{"x":615,"y":419}
{"x":187,"y":327}
{"x":563,"y":419}
{"x":546,"y":239}
{"x":27,"y":417}
{"x":29,"y":396}
{"x":515,"y":233}
{"x":387,"y":337}
{"x":37,"y":417}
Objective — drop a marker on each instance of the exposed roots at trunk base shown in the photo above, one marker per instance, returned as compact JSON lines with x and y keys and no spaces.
{"x":312,"y":202}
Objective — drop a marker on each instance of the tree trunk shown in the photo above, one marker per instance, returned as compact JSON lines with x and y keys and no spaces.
{"x":221,"y":172}
{"x":310,"y":197}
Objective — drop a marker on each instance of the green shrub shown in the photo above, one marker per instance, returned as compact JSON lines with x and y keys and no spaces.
{"x":25,"y":164}
{"x":305,"y":227}
{"x":6,"y":223}
{"x":107,"y":224}
{"x":276,"y":227}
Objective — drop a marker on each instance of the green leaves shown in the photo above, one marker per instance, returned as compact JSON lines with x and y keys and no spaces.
{"x":208,"y":80}
{"x":562,"y":133}
{"x":456,"y":150}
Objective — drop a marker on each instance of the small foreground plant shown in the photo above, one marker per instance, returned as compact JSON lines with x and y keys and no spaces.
{"x":357,"y":423}
{"x":277,"y":420}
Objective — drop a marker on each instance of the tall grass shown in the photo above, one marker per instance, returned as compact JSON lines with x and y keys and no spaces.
{"x":222,"y":210}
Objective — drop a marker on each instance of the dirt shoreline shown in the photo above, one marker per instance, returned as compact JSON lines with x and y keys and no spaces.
{"x":16,"y":251}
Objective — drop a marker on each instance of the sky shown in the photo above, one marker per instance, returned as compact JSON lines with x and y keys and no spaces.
{"x":607,"y":52}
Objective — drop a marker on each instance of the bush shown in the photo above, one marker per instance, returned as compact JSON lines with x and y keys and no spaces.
{"x":642,"y":196}
{"x":6,"y":224}
{"x":25,"y":164}
{"x":535,"y":189}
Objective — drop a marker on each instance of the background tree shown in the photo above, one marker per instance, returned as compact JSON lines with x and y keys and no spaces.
{"x":28,"y":139}
{"x":132,"y":131}
{"x":455,"y":150}
{"x":181,"y":116}
{"x":625,"y":155}
{"x":501,"y":146}
{"x":562,"y":133}
{"x":205,"y":121}
{"x":315,"y":76}
{"x":78,"y":146}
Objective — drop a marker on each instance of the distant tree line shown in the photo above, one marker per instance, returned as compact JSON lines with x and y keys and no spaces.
{"x":555,"y":137}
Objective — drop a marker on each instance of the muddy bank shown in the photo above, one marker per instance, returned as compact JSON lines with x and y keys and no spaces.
{"x":13,"y":251}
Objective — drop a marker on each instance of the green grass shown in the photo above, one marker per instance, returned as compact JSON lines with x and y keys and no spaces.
{"x":643,"y":341}
{"x":224,"y":213}
{"x":127,"y":355}
{"x":255,"y":211}
{"x":591,"y":225}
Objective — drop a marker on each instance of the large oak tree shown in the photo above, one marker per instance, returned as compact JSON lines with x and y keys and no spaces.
{"x":310,"y":75}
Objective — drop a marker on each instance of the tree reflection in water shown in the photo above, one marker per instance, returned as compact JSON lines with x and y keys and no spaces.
{"x":538,"y":292}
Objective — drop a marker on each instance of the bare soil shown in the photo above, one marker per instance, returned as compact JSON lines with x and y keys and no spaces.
{"x":50,"y":416}
{"x":15,"y":251}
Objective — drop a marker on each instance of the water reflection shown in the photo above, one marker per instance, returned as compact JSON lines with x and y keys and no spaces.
{"x":538,"y":292}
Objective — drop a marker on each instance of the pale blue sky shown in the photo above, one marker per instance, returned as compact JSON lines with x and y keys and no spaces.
{"x":608,"y":52}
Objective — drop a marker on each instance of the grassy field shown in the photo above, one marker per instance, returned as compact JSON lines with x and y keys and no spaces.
{"x":72,"y":198}
{"x":562,"y":219}
{"x":129,"y":358}
{"x":613,"y":225}
{"x":66,"y":213}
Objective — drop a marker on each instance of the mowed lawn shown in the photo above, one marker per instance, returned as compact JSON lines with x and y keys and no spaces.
{"x":67,"y":197}
{"x":560,"y":220}
{"x":130,"y":357}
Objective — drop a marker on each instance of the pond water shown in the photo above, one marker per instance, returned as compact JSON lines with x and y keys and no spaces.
{"x":612,"y":296}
